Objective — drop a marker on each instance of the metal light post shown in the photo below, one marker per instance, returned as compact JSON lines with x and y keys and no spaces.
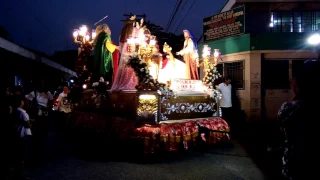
{"x":82,"y":37}
{"x":216,"y":56}
{"x":85,"y":40}
{"x":206,"y":56}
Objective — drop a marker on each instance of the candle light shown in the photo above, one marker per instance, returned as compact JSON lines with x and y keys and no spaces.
{"x":83,"y":30}
{"x":75,"y":33}
{"x":152,"y":42}
{"x":144,"y":44}
{"x":206,"y":51}
{"x":136,"y":40}
{"x":216,"y":53}
{"x":196,"y":55}
{"x":93,"y":35}
{"x":87,"y":37}
{"x":131,"y":41}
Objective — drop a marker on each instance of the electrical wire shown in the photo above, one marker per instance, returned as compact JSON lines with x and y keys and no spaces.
{"x":174,"y":10}
{"x":176,"y":20}
{"x":37,"y":19}
{"x":180,"y":2}
{"x":185,"y":16}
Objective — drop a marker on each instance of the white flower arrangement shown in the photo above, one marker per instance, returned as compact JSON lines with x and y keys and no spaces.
{"x":211,"y":74}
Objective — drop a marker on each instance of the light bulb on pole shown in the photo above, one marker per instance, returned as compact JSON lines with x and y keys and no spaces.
{"x":314,"y":40}
{"x":206,"y":54}
{"x":216,"y":56}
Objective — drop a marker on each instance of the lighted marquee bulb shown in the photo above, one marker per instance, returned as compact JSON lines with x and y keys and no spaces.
{"x":147,"y":97}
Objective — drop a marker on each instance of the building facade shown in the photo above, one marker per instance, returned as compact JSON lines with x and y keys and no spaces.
{"x":262,"y":43}
{"x":21,"y":66}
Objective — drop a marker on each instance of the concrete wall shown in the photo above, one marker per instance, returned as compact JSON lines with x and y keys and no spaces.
{"x":253,"y":101}
{"x":243,"y":94}
{"x":274,"y":98}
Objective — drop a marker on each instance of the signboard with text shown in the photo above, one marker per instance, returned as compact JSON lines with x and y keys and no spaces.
{"x":229,"y":23}
{"x":187,"y":85}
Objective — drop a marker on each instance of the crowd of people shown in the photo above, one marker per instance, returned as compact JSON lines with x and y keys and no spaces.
{"x":28,"y":117}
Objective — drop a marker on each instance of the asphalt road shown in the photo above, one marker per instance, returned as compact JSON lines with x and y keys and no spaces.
{"x":229,"y":161}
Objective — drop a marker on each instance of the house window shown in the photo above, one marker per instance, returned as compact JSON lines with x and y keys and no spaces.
{"x":236,"y":71}
{"x":295,"y":21}
{"x":275,"y":74}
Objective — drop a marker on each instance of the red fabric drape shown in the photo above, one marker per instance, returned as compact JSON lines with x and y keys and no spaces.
{"x":115,"y":57}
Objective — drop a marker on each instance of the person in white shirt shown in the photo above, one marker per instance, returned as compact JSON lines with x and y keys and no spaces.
{"x":21,"y":135}
{"x":64,"y":107}
{"x":225,"y":89}
{"x":63,"y":102}
{"x":42,"y":98}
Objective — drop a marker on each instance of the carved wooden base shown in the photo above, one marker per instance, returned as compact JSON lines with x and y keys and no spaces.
{"x":137,"y":105}
{"x":188,"y":107}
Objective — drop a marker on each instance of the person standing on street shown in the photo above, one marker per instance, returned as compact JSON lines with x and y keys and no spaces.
{"x":225,"y":89}
{"x":64,"y":107}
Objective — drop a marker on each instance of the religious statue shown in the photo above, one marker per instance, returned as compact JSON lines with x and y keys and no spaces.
{"x":188,"y":51}
{"x":125,"y":78}
{"x":103,"y":59}
{"x":154,"y":65}
{"x":171,"y":68}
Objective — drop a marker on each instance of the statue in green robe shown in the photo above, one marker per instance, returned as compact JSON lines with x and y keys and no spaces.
{"x":103,"y":63}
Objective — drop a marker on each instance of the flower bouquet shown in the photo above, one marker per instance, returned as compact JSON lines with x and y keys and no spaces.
{"x":211,"y":76}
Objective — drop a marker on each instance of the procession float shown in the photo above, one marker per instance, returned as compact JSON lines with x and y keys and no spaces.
{"x":145,"y":96}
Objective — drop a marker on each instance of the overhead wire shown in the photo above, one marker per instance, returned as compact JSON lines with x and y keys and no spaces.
{"x":175,"y":6}
{"x":180,"y":2}
{"x":185,"y":16}
{"x":66,"y":45}
{"x":176,"y":20}
{"x":37,"y":19}
{"x":174,"y":14}
{"x":46,"y":27}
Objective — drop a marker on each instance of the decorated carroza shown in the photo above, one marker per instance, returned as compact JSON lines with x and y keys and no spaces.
{"x":154,"y":98}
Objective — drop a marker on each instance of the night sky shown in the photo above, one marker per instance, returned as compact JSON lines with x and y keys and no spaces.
{"x":47,"y":26}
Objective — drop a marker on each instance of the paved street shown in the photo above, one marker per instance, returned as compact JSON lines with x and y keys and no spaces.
{"x":230,"y":161}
